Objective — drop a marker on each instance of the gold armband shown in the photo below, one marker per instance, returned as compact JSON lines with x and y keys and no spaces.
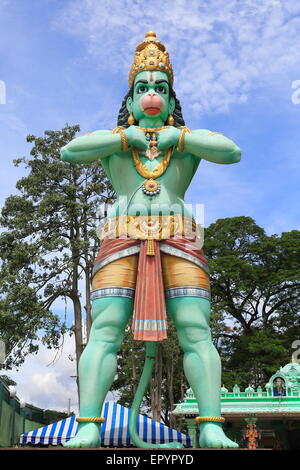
{"x":120,"y":130}
{"x":184,"y":129}
{"x":213,"y":133}
{"x":124,"y":141}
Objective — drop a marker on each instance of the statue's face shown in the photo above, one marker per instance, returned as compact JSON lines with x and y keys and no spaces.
{"x":151,"y":97}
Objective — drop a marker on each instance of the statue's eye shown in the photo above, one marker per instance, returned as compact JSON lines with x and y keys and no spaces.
{"x":160,"y":89}
{"x":142,"y":89}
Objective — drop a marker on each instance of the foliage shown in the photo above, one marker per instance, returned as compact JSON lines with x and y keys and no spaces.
{"x":48,"y":246}
{"x":52,"y":416}
{"x":7,"y":380}
{"x":255,"y":291}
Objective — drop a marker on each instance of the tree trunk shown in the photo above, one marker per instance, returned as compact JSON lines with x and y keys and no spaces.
{"x":134,"y":374}
{"x":156,"y":386}
{"x":78,"y":334}
{"x":170,"y":382}
{"x":88,"y":307}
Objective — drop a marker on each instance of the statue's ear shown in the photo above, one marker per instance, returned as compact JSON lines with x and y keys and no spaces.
{"x":171,"y":105}
{"x":129,"y":104}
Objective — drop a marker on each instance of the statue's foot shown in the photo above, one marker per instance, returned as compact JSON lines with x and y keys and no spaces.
{"x":171,"y":445}
{"x":88,"y":436}
{"x":212,"y":437}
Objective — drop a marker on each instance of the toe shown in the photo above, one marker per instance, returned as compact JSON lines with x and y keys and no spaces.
{"x":85,"y":444}
{"x":231,"y":444}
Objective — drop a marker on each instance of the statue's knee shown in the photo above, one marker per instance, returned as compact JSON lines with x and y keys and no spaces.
{"x":109,"y":321}
{"x":107,"y":332}
{"x":193,"y":334}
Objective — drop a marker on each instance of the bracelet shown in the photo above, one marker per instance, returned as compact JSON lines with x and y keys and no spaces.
{"x":120,"y":130}
{"x":207,"y":419}
{"x":184,"y":129}
{"x":124,"y":140}
{"x":90,"y":420}
{"x":212,"y":133}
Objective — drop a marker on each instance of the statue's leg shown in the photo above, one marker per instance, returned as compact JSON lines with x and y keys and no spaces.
{"x":113,"y":297}
{"x":202,"y":365}
{"x":98,"y":365}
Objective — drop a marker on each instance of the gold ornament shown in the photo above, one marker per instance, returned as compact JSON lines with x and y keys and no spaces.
{"x":117,"y":129}
{"x":152,"y":129}
{"x":184,"y":129}
{"x":120,"y":130}
{"x":151,"y":187}
{"x":90,"y":420}
{"x":150,"y":55}
{"x":142,"y":227}
{"x":158,"y":170}
{"x":171,"y":120}
{"x":124,"y":141}
{"x":207,"y":419}
{"x":131,"y":120}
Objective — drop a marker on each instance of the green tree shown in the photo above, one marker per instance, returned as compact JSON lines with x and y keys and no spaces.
{"x":48,"y":246}
{"x":255,"y":290}
{"x":7,"y":380}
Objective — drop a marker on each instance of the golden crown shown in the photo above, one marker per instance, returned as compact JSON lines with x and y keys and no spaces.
{"x":150,"y":55}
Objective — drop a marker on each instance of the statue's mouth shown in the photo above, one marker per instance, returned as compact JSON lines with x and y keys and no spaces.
{"x":152,"y":111}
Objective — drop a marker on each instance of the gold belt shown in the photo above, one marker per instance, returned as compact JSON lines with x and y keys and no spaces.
{"x":150,"y":227}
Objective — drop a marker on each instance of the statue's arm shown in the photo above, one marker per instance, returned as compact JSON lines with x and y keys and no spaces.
{"x":90,"y":147}
{"x":211,"y":146}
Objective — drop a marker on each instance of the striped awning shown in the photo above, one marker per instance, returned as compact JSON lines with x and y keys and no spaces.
{"x":114,"y":431}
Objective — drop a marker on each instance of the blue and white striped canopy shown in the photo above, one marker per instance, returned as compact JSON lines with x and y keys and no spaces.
{"x":114,"y":431}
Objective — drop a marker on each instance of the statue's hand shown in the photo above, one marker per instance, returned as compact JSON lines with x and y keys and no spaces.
{"x":168,"y":138}
{"x":136,"y":138}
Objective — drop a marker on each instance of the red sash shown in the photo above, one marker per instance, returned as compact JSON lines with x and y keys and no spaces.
{"x":149,"y":315}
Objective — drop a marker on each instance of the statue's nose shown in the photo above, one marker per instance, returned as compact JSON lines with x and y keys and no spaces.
{"x":151,"y":93}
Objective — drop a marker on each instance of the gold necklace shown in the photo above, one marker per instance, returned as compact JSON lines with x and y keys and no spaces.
{"x":150,"y":186}
{"x":152,"y":129}
{"x":151,"y":136}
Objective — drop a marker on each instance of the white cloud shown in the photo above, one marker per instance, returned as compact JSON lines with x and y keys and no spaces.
{"x":44,"y":379}
{"x":47,"y":379}
{"x":226,"y":48}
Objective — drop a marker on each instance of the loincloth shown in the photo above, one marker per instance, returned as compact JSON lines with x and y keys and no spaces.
{"x":150,"y":269}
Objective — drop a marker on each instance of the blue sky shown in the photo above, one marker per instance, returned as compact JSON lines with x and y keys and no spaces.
{"x":234,"y":62}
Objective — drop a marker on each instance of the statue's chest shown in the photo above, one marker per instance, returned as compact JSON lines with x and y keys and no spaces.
{"x":177,"y":167}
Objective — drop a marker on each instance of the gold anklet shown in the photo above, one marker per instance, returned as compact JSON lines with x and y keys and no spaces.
{"x":207,"y":419}
{"x":90,"y":420}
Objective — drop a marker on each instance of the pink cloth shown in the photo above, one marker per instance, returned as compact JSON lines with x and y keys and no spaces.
{"x":149,"y":315}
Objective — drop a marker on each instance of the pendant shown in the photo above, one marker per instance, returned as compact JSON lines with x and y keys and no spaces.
{"x":152,"y":151}
{"x":151,"y":187}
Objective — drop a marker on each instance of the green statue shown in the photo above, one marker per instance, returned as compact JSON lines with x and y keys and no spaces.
{"x":151,"y":267}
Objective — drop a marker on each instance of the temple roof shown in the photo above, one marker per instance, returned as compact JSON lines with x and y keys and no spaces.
{"x":278,"y":398}
{"x":290,"y":369}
